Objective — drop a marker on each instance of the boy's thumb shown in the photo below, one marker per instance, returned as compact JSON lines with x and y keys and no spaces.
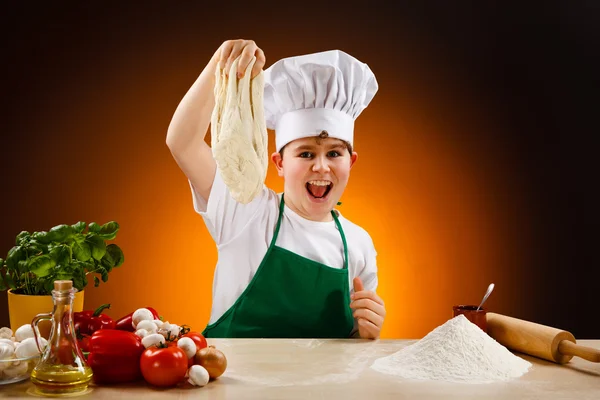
{"x":358,"y":285}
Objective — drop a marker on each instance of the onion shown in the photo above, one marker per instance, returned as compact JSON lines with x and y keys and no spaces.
{"x":212,"y":360}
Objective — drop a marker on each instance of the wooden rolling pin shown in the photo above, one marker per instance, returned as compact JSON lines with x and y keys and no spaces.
{"x":537,"y":340}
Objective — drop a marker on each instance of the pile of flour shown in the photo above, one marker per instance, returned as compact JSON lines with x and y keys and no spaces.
{"x":457,"y":351}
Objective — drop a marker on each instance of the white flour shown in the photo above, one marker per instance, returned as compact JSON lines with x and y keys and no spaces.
{"x":457,"y":351}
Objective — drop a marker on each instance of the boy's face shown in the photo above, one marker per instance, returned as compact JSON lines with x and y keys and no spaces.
{"x":315,"y":172}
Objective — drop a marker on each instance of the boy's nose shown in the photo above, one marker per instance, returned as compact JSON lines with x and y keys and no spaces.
{"x":321,"y":165}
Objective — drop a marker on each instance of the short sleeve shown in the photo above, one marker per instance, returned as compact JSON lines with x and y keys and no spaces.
{"x":224,"y":217}
{"x":368,"y":276}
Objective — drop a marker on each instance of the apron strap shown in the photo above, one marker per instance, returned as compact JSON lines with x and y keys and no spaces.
{"x":279,"y":218}
{"x":337,"y":222}
{"x":335,"y":218}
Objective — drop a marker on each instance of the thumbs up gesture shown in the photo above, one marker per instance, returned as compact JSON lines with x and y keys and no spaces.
{"x":369,"y":310}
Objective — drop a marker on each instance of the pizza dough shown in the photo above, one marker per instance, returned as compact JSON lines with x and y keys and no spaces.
{"x":238,"y":132}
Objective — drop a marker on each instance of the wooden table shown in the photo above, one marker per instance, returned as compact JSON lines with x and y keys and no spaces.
{"x":339,"y":369}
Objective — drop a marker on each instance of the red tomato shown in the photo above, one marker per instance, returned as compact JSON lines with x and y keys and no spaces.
{"x":163,"y":366}
{"x":198,"y":338}
{"x":173,"y":343}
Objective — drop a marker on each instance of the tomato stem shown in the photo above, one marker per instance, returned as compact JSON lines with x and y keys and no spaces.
{"x":184,"y":329}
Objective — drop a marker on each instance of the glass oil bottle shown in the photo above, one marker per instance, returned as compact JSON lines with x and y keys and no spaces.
{"x":62,"y":368}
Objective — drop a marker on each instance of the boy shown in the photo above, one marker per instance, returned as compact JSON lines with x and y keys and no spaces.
{"x":287,"y":262}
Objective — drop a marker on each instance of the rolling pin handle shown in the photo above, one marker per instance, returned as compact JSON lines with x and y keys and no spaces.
{"x":569,"y":348}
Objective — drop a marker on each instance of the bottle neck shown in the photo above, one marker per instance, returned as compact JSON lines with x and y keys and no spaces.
{"x":62,"y":315}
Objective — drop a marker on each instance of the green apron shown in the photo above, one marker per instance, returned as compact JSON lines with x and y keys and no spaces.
{"x":290,"y":296}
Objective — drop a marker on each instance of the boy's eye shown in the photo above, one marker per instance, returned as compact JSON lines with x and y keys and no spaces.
{"x":333,"y":153}
{"x":306,"y":154}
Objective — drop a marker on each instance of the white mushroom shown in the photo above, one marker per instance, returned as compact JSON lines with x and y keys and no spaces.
{"x":158,"y":323}
{"x":153,"y":339}
{"x":16,"y":370}
{"x":24,"y":332}
{"x":188,"y":346}
{"x":141,"y":333}
{"x":6,"y":351}
{"x":169,"y":331}
{"x":198,"y":375}
{"x":8,"y":341}
{"x":29,"y":348}
{"x":3,"y":366}
{"x":141,"y":314}
{"x":5,"y":333}
{"x":148,"y":325}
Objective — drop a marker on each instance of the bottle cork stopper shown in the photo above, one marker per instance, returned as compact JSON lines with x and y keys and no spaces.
{"x":63,"y":285}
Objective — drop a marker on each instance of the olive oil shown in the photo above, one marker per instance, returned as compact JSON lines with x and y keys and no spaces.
{"x":62,"y":368}
{"x":61,"y":378}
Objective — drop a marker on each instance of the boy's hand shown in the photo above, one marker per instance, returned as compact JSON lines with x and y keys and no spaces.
{"x":369,"y":310}
{"x":232,"y":49}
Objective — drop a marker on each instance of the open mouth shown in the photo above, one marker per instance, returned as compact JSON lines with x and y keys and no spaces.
{"x":319,"y":189}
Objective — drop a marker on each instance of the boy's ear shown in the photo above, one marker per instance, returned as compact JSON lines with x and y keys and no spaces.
{"x":278,"y":161}
{"x":353,"y":158}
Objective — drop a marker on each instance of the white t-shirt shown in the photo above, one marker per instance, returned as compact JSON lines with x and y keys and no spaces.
{"x":243,"y":233}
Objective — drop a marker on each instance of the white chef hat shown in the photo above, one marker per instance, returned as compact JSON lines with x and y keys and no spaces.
{"x":308,"y":94}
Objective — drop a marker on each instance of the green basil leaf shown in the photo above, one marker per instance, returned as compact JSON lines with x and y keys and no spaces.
{"x":60,"y":233}
{"x":47,"y":286}
{"x":90,"y":265}
{"x":79,"y":227}
{"x":23,"y":266}
{"x":107,"y":261}
{"x":61,"y":254}
{"x":35,"y":246}
{"x":42,"y":237}
{"x":116,"y":254}
{"x":64,"y":275}
{"x":41,"y":265}
{"x":16,"y":254}
{"x":81,"y":249}
{"x":97,"y":246}
{"x":78,"y":282}
{"x":22,"y":238}
{"x":109,"y":230}
{"x":94,"y":227}
{"x":10,"y":282}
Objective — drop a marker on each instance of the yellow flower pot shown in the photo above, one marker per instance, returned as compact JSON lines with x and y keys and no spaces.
{"x":22,"y":308}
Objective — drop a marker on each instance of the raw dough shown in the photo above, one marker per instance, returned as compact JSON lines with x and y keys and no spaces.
{"x":239,"y":133}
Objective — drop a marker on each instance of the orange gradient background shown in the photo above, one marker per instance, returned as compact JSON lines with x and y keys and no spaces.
{"x":435,"y":184}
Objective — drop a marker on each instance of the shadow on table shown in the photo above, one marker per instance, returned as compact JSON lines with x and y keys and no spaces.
{"x":584,"y":369}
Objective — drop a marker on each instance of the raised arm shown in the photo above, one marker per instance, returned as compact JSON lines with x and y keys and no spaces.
{"x":188,"y":127}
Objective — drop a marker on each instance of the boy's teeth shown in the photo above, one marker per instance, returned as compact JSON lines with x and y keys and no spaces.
{"x":320,"y":183}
